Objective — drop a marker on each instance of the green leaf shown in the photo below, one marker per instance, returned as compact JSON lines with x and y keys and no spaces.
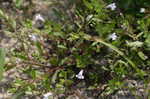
{"x":82,"y":61}
{"x":88,"y":4}
{"x":62,"y":47}
{"x":1,"y":13}
{"x":39,"y":47}
{"x":142,"y":55}
{"x":2,"y":62}
{"x":147,"y":41}
{"x":68,"y":82}
{"x":135,"y":44}
{"x":54,"y":77}
{"x":18,"y":3}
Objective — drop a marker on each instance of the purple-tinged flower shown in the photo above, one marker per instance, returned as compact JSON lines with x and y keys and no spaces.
{"x":113,"y":36}
{"x":33,"y":37}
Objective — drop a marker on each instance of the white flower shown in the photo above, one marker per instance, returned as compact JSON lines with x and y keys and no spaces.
{"x":45,"y":96}
{"x":142,"y":10}
{"x":113,"y":36}
{"x":123,"y":26}
{"x":80,"y":75}
{"x":112,"y":6}
{"x":89,"y":17}
{"x":33,"y":37}
{"x":39,"y":17}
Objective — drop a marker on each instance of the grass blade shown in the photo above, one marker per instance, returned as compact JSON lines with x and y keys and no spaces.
{"x":2,"y":62}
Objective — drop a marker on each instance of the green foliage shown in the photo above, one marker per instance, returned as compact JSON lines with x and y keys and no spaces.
{"x":2,"y":62}
{"x":9,"y":21}
{"x":18,"y":3}
{"x":84,"y":42}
